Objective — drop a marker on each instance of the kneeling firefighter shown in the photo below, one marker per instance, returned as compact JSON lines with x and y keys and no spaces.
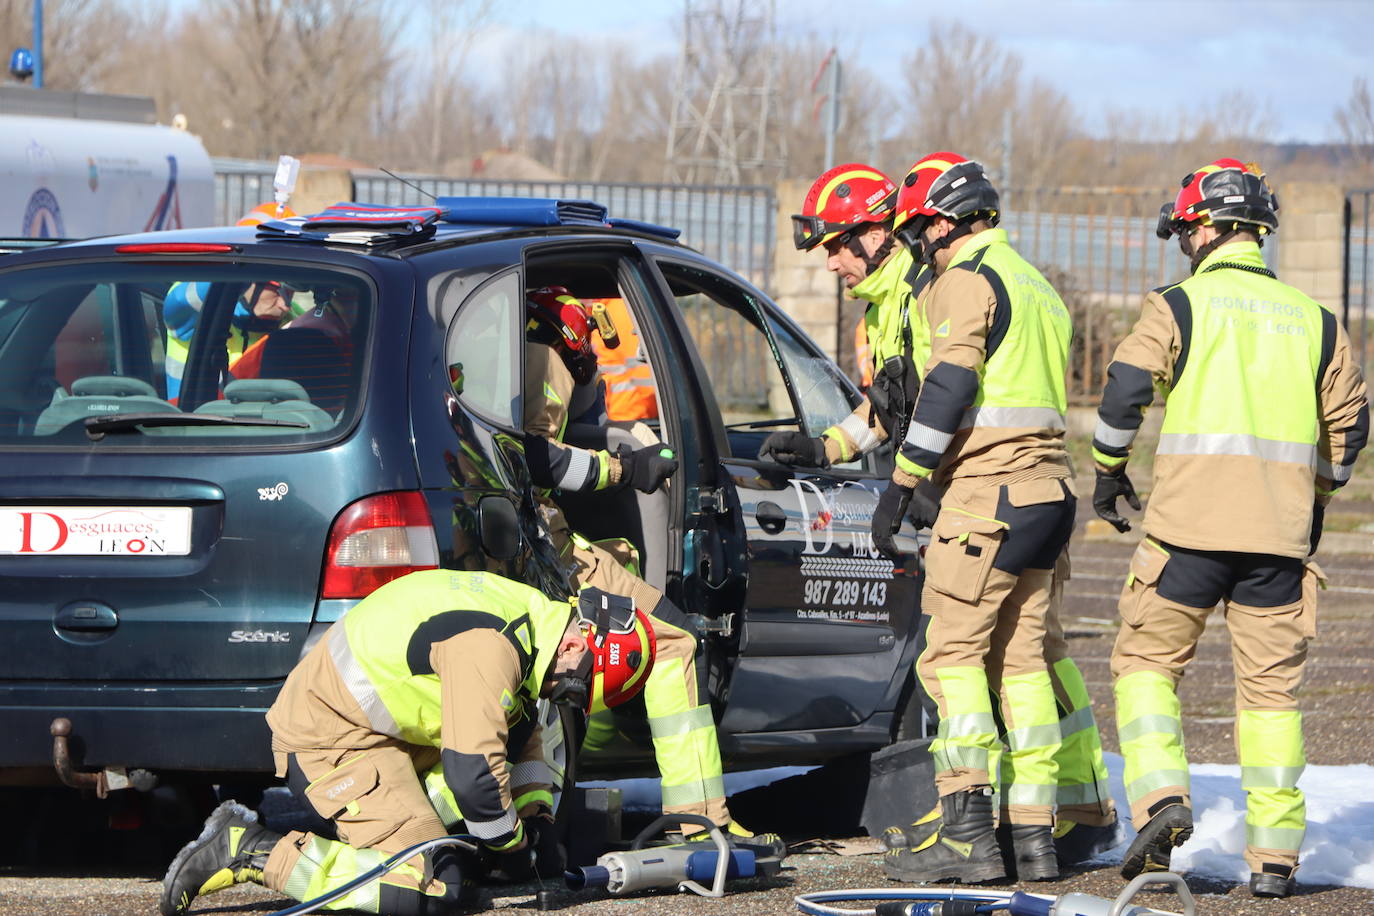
{"x":559,"y":357}
{"x":413,"y":713}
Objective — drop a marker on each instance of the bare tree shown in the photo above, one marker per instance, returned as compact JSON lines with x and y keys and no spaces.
{"x":1355,"y":121}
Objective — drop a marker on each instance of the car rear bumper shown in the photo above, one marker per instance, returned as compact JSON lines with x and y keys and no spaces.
{"x":153,"y":727}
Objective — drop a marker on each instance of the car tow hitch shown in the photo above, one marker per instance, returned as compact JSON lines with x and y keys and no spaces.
{"x":104,"y":781}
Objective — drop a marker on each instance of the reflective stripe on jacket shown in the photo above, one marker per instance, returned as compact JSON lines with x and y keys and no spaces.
{"x":1263,"y":402}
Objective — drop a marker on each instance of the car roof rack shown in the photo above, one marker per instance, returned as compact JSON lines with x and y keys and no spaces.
{"x":372,"y":225}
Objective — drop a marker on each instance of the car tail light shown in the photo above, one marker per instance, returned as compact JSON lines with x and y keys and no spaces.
{"x":173,"y":248}
{"x":375,"y":540}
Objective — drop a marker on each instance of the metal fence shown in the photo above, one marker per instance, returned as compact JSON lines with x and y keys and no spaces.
{"x":733,"y":225}
{"x":1357,"y":289}
{"x":1097,"y":247}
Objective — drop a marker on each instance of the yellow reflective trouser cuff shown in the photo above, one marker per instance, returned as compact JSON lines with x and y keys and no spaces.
{"x":1271,"y":760}
{"x":1151,"y":733}
{"x":1033,"y":742}
{"x":441,"y":798}
{"x":968,"y":732}
{"x":534,"y":796}
{"x":325,"y":864}
{"x":688,"y":757}
{"x":1082,"y":770}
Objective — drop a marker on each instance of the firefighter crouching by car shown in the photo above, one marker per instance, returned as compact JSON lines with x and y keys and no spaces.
{"x":1265,"y":411}
{"x":412,"y":713}
{"x":989,"y":425}
{"x":559,"y":357}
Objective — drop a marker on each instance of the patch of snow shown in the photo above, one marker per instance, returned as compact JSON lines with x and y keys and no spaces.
{"x":1338,"y":849}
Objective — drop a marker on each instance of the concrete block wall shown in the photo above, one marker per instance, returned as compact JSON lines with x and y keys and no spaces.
{"x":1311,"y":239}
{"x":802,"y":287}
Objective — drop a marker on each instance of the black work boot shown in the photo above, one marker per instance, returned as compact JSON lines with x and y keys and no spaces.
{"x":915,"y":833}
{"x":232,"y":849}
{"x":1028,"y":851}
{"x":1170,"y":825}
{"x":963,"y":848}
{"x":1274,"y":881}
{"x":1076,"y":843}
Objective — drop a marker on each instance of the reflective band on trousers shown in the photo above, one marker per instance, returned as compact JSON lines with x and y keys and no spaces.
{"x":358,"y":684}
{"x":1155,"y":780}
{"x":693,"y":793}
{"x":1274,"y":837}
{"x":1111,"y":436}
{"x":1237,"y":444}
{"x":1269,"y":777}
{"x":1150,"y":724}
{"x":1022,"y":793}
{"x":1013,"y":418}
{"x":326,"y":864}
{"x":1077,"y":721}
{"x":1083,"y":793}
{"x":680,"y":723}
{"x":864,"y":437}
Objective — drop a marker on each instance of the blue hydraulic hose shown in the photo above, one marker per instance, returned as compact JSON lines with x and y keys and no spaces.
{"x":815,"y":904}
{"x":463,"y":841}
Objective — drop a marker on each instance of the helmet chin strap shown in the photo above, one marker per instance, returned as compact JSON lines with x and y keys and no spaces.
{"x":928,"y":249}
{"x":574,"y":688}
{"x":871,"y":261}
{"x":1197,"y":256}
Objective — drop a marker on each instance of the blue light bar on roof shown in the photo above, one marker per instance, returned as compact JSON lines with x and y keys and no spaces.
{"x":520,"y":211}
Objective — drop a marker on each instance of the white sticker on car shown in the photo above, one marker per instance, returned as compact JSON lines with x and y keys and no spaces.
{"x":95,"y":531}
{"x":273,"y":493}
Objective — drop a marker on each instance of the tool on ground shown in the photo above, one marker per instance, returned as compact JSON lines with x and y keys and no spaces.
{"x":681,"y":865}
{"x":938,"y":901}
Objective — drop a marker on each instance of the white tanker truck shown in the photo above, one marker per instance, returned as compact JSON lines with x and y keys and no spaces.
{"x":75,"y":165}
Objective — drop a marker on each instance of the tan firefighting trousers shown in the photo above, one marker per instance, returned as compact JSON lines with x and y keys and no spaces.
{"x":988,"y":632}
{"x":683,"y":728}
{"x":1158,"y":638}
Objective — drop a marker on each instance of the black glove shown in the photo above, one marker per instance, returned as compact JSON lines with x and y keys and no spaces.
{"x":795,"y":450}
{"x":1318,"y":519}
{"x":922,"y":510}
{"x":887,"y":518}
{"x":646,"y":468}
{"x":548,"y":852}
{"x":1109,"y":487}
{"x":517,"y":865}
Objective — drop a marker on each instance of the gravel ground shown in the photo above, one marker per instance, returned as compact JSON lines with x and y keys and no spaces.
{"x":1339,"y":723}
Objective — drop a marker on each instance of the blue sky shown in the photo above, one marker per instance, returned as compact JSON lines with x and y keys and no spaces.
{"x":1154,"y":56}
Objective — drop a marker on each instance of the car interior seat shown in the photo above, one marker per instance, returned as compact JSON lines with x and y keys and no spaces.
{"x":311,"y":358}
{"x":268,"y":399}
{"x":99,"y":395}
{"x":641,"y":518}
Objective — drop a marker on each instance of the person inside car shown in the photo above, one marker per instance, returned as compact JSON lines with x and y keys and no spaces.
{"x":262,"y":307}
{"x":558,"y":358}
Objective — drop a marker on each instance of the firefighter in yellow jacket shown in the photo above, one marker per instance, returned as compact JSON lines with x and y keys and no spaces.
{"x":558,"y":357}
{"x":1265,"y":411}
{"x":413,"y":713}
{"x":988,"y":426}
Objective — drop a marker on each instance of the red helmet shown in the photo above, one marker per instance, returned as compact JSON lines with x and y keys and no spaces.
{"x":1225,"y":192}
{"x":840,"y":201}
{"x":620,"y":639}
{"x":559,"y":319}
{"x":942,"y":184}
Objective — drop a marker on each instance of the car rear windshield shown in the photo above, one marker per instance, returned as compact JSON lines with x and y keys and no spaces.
{"x":162,"y":354}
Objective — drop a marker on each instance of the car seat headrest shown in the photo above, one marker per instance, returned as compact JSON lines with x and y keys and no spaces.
{"x":112,"y":386}
{"x":269,"y":390}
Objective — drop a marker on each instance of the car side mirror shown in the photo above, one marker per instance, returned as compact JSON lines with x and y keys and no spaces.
{"x":499,"y":527}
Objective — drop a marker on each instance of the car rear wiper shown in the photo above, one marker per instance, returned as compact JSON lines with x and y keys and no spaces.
{"x":97,"y":427}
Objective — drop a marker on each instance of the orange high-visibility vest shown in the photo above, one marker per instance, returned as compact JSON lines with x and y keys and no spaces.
{"x":629,"y":382}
